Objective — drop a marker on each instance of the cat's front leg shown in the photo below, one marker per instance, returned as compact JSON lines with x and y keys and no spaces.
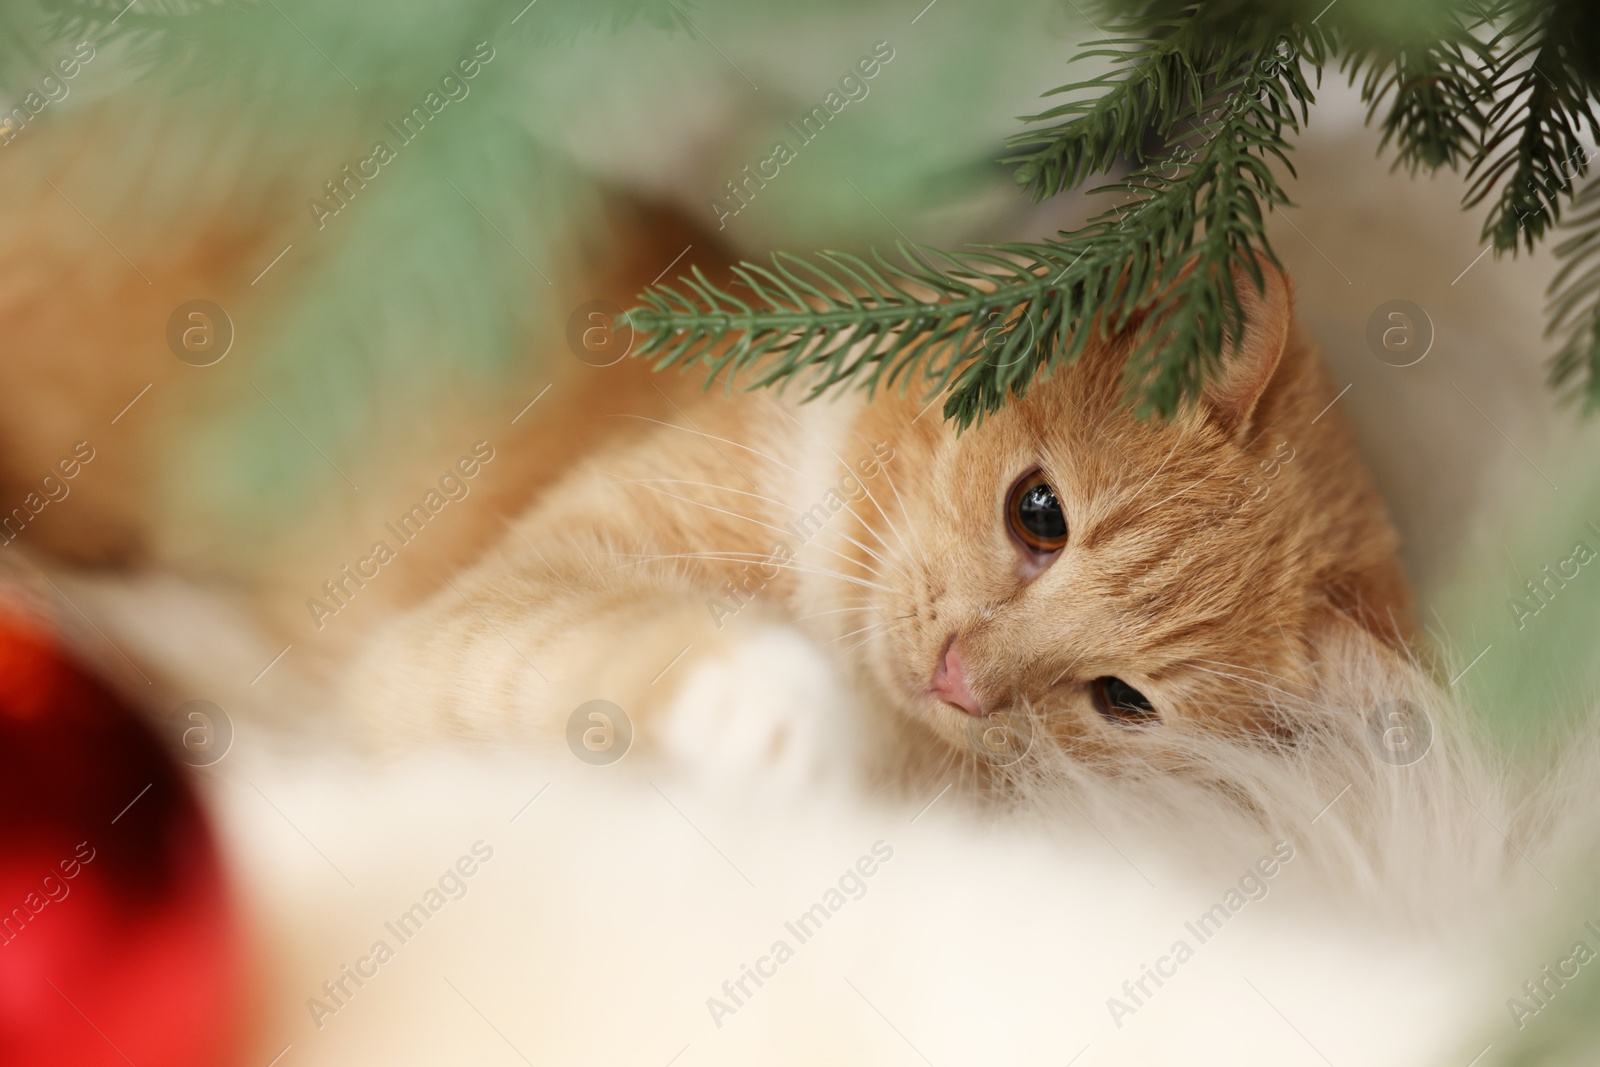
{"x":736,"y":703}
{"x":765,"y":710}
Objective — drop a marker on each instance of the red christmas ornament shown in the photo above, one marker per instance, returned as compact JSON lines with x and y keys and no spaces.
{"x":119,"y":942}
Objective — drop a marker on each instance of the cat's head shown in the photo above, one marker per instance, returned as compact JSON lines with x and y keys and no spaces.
{"x":1122,"y":577}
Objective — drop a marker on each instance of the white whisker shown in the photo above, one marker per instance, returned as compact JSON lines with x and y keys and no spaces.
{"x":862,"y":482}
{"x":770,"y":459}
{"x":904,"y":514}
{"x":1242,"y":680}
{"x":873,"y":626}
{"x":775,"y":503}
{"x":865,"y":603}
{"x":747,"y":518}
{"x":858,"y":644}
{"x":713,"y":437}
{"x":749,"y":557}
{"x":1161,"y":468}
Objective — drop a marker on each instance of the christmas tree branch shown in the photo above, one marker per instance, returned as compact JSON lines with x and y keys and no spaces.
{"x":1200,"y":98}
{"x":983,"y":324}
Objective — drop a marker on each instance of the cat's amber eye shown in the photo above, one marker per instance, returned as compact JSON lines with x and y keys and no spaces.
{"x":1034,"y":514}
{"x":1121,"y":703}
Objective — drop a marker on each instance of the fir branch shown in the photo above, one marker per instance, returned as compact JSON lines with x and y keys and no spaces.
{"x":1533,"y":151}
{"x":1575,"y":303}
{"x":843,"y":317}
{"x":1431,"y":94}
{"x":1153,"y":82}
{"x":1208,"y":222}
{"x":984,"y":324}
{"x":1166,"y":60}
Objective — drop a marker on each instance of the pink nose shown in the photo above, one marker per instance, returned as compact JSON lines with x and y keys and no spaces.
{"x":950,"y":681}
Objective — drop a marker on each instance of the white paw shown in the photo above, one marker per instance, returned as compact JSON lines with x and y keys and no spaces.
{"x":769,"y":715}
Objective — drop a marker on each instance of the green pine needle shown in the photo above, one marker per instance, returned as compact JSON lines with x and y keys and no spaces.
{"x":1429,"y":97}
{"x":1533,"y":151}
{"x":985,"y":323}
{"x":1575,"y":303}
{"x":1200,"y":99}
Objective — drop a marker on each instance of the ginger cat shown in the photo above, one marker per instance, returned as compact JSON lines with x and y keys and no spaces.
{"x":1105,"y":582}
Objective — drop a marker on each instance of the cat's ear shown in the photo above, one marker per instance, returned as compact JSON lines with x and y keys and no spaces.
{"x":1248,"y":366}
{"x":1377,"y":598}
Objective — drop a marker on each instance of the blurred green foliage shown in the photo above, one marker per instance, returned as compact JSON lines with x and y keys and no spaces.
{"x":432,"y":287}
{"x":1201,"y":103}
